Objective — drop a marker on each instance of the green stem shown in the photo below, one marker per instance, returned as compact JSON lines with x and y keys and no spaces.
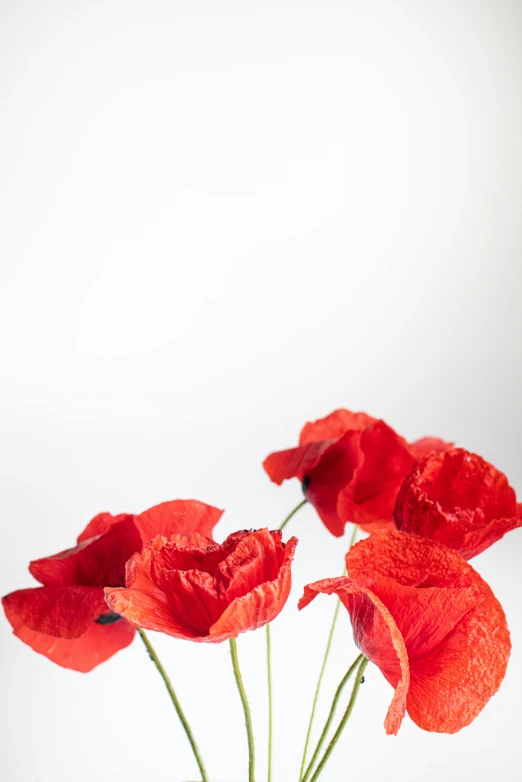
{"x":346,"y":717}
{"x":246,"y":710}
{"x":270,"y":704}
{"x":326,"y":728}
{"x":269,"y":665}
{"x":354,"y":535}
{"x":292,"y":513}
{"x":321,"y":674}
{"x":174,"y":698}
{"x":318,"y":688}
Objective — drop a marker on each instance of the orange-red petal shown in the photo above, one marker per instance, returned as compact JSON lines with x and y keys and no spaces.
{"x":466,"y":666}
{"x":238,"y":584}
{"x":458,"y":499}
{"x":452,"y":627}
{"x":377,"y":636}
{"x":142,"y":603}
{"x":260,"y":605}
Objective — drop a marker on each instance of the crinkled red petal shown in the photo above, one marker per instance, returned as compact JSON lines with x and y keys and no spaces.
{"x":259,"y":606}
{"x":191,"y":603}
{"x":253,"y":561}
{"x":142,"y":603}
{"x":454,"y":628}
{"x":458,"y":499}
{"x":377,"y":636}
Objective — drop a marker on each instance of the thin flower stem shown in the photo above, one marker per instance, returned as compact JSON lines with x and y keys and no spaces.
{"x":326,"y":728}
{"x":321,"y":673}
{"x":246,"y":710}
{"x":270,"y":703}
{"x":269,"y":666}
{"x":354,"y":536}
{"x":294,"y":511}
{"x":174,"y":698}
{"x":346,"y":717}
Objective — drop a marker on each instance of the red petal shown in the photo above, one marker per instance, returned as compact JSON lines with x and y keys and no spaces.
{"x":95,"y":562}
{"x":426,"y":445}
{"x":452,"y":684}
{"x":142,"y":603}
{"x":451,"y":678}
{"x":370,"y":498}
{"x":166,"y":518}
{"x":193,"y":600}
{"x":377,"y":636}
{"x":178,"y":516}
{"x":253,"y":561}
{"x":100,"y":524}
{"x":458,"y":499}
{"x":97,"y":644}
{"x":260,"y":606}
{"x":295,"y":462}
{"x":60,"y":611}
{"x":192,"y":603}
{"x":334,"y":426}
{"x":194,"y":552}
{"x":335,"y":473}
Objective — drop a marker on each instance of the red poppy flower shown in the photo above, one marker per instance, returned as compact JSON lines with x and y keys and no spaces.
{"x":189,"y":587}
{"x":429,"y":622}
{"x":458,"y":499}
{"x":351,"y":467}
{"x":67,"y":619}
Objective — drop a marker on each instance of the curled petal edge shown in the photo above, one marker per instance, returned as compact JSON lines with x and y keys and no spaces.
{"x":345,"y":586}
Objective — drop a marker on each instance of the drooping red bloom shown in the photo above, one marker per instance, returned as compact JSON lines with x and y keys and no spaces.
{"x":67,"y":618}
{"x":351,"y":467}
{"x":189,"y":587}
{"x":458,"y":499}
{"x":429,"y":622}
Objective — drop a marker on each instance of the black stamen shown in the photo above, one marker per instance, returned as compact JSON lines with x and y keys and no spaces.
{"x":108,"y":618}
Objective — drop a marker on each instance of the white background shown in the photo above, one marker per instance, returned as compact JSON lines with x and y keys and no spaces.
{"x":220,"y":220}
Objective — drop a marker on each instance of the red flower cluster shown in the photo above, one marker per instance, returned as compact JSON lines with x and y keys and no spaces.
{"x":189,"y":587}
{"x":67,"y":619}
{"x":429,"y":622}
{"x":351,"y":467}
{"x":419,"y":611}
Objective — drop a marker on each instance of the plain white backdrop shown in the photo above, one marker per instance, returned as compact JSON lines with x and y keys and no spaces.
{"x":220,"y":220}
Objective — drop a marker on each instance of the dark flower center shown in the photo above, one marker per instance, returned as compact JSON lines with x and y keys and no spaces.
{"x":305,"y":484}
{"x":108,"y":618}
